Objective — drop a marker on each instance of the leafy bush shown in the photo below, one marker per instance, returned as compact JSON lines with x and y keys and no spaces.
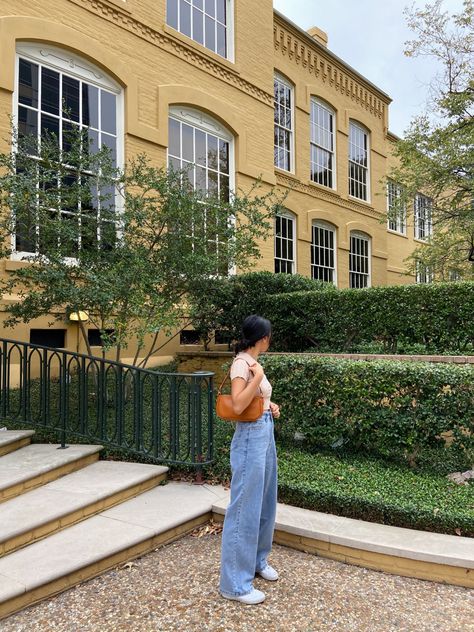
{"x":435,"y":318}
{"x":224,"y":303}
{"x":384,"y":407}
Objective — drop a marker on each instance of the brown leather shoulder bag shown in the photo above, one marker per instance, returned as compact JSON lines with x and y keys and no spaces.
{"x":225,"y":409}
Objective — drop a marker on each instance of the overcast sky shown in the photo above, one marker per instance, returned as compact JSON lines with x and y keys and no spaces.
{"x":370,"y":35}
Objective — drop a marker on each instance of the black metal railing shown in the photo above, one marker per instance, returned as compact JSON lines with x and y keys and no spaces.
{"x":165,"y":417}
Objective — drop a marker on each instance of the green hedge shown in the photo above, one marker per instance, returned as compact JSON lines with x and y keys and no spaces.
{"x":438,"y":317}
{"x":385,"y":407}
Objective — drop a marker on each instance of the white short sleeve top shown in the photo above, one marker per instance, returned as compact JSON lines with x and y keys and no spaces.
{"x":240,"y":368}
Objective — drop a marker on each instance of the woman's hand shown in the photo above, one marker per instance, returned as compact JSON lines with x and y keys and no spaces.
{"x":257,"y":371}
{"x":275,"y":410}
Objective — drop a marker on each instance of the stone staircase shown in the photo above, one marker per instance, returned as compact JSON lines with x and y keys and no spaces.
{"x":65,"y":516}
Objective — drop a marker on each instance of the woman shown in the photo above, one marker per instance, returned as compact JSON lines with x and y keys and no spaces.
{"x":250,"y":517}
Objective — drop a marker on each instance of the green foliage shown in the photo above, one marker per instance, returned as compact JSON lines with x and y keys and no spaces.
{"x":369,"y":489}
{"x":437,"y":317}
{"x":436,"y":155}
{"x":224,"y":303}
{"x":125,"y":246}
{"x":384,"y":407}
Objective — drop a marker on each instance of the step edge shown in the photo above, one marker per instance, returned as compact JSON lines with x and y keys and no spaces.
{"x":115,"y":498}
{"x":88,"y":571}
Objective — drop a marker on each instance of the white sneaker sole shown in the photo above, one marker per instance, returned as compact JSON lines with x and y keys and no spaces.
{"x":241,"y":599}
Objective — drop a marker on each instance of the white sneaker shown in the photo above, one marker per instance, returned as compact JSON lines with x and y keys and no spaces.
{"x":268,"y":573}
{"x":251,"y":598}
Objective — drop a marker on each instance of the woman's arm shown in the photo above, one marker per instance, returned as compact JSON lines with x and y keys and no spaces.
{"x":243,"y":392}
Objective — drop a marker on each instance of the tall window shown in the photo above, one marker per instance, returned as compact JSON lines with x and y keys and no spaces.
{"x":285,"y":243}
{"x":424,"y":273}
{"x":358,"y":162}
{"x":283,"y":117}
{"x":395,"y":209}
{"x":322,"y":144}
{"x":423,"y":216}
{"x":323,"y":253}
{"x":205,"y":21}
{"x":57,"y":92}
{"x":359,"y":261}
{"x":201,"y":148}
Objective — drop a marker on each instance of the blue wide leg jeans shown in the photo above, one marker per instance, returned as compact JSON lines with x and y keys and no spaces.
{"x":250,"y":517}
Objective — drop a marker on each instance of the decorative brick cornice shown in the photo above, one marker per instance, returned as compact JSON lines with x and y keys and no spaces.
{"x":123,"y":19}
{"x":321,"y":194}
{"x":290,"y":44}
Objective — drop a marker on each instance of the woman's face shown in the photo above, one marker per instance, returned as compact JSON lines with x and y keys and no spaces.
{"x":267,"y":340}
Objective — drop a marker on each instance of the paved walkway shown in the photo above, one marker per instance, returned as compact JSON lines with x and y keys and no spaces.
{"x":175,"y":589}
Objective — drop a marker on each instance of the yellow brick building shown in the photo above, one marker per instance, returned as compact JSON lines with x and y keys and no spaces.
{"x":168,"y":77}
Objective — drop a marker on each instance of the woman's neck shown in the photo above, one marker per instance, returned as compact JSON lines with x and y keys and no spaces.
{"x":253,"y":351}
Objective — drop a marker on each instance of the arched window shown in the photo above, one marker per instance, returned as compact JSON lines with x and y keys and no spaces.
{"x":285,"y":242}
{"x":359,"y":181}
{"x":359,"y":260}
{"x":203,"y":149}
{"x":323,"y":167}
{"x":57,"y":91}
{"x":323,"y":252}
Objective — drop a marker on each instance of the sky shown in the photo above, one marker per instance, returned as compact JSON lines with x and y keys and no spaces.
{"x":370,"y":36}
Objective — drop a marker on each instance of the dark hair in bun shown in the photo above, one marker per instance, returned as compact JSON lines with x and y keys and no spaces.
{"x":254,"y":328}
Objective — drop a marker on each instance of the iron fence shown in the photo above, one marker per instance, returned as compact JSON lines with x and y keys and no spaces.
{"x":165,"y":417}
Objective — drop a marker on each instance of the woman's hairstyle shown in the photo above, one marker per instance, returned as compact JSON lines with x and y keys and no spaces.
{"x":254,"y":328}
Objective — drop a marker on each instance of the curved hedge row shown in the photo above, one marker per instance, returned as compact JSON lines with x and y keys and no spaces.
{"x":385,"y":407}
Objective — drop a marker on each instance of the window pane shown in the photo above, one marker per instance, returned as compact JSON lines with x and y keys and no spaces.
{"x":200,"y":148}
{"x":110,"y":142}
{"x":221,"y":11}
{"x":90,"y":105}
{"x":223,"y":156}
{"x":198,"y":26}
{"x":210,"y":33}
{"x":187,"y":151}
{"x":70,"y":98}
{"x":185,"y":18}
{"x":50,"y":91}
{"x":49,"y":125}
{"x":172,"y":13}
{"x":224,"y":188}
{"x":221,"y":40}
{"x":212,"y":152}
{"x":210,"y":6}
{"x":27,"y":122}
{"x":108,"y":112}
{"x":28,"y":83}
{"x":174,"y":137}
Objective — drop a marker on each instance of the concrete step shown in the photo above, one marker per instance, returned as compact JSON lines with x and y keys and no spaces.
{"x":11,"y":440}
{"x":436,"y":557}
{"x":38,"y":464}
{"x":99,"y":543}
{"x":72,"y":498}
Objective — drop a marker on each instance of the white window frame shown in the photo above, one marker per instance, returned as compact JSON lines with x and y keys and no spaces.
{"x":399,"y":223}
{"x":362,"y":237}
{"x":423,"y":225}
{"x":424,"y":274}
{"x":229,"y":27}
{"x":315,"y":102}
{"x":288,"y":85}
{"x":76,"y":67}
{"x":366,"y":132}
{"x":326,"y":226}
{"x":290,"y":217}
{"x":201,"y":121}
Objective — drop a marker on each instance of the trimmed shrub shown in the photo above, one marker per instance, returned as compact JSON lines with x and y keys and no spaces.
{"x":437,"y":317}
{"x":384,"y":407}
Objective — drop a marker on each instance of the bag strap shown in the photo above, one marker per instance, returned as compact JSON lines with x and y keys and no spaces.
{"x":227,"y":375}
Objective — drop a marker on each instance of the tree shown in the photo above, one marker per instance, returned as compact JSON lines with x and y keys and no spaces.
{"x":125,"y":246}
{"x":436,"y":157}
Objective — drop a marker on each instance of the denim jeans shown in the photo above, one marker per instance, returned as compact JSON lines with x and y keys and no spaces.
{"x":250,"y":517}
